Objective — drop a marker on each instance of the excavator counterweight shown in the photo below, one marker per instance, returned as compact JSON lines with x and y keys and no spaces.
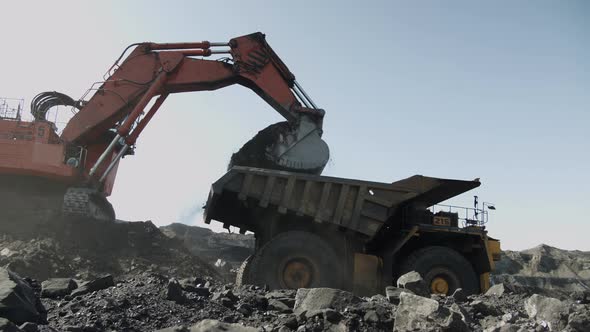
{"x":82,"y":162}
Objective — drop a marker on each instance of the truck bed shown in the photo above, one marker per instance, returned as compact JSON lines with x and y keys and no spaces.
{"x":244,"y":193}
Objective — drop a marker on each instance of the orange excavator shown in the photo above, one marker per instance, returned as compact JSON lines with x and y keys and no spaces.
{"x":78,"y":167}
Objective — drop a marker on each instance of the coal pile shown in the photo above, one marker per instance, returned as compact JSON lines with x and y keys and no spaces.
{"x":153,"y":302}
{"x":85,"y":248}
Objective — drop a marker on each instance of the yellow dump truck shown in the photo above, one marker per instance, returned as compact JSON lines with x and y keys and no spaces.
{"x":319,"y":231}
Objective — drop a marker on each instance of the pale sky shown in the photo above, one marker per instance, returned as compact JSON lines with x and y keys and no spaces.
{"x":454,"y":89}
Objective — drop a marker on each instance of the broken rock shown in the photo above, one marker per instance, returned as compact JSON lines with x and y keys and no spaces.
{"x":18,"y":302}
{"x":414,"y":282}
{"x":277,"y":305}
{"x":459,"y":295}
{"x":392,"y":293}
{"x":192,"y":285}
{"x":547,"y":310}
{"x":94,"y":285}
{"x":211,"y":325}
{"x":315,"y":299}
{"x":485,"y":308}
{"x":497,"y":290}
{"x":174,"y":292}
{"x":414,"y":313}
{"x":57,"y":287}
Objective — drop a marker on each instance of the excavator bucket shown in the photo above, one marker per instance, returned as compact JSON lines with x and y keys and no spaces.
{"x":281,"y":146}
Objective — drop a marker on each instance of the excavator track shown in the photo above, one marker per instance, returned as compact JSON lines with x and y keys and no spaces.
{"x":32,"y":198}
{"x":88,"y":203}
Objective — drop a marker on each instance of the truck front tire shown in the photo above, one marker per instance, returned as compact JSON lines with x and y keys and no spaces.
{"x":297,"y":259}
{"x":443,"y":269}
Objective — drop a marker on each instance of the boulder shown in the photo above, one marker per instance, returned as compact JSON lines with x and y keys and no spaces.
{"x":414,"y":282}
{"x":8,"y":326}
{"x":227,"y":293}
{"x":287,"y":296}
{"x":211,"y":325}
{"x":57,"y":287}
{"x":547,"y":309}
{"x":490,"y":323}
{"x":415,"y":313}
{"x":193,"y":285}
{"x":331,"y":315}
{"x":97,"y":284}
{"x":392,"y":293}
{"x":465,"y":316}
{"x":497,"y":290}
{"x":455,"y":322}
{"x":174,"y":292}
{"x":18,"y":302}
{"x":459,"y":295}
{"x":278,"y":305}
{"x":314,"y":299}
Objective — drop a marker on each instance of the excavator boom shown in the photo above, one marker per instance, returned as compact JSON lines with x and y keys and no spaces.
{"x":157,"y":70}
{"x":107,"y":125}
{"x":172,"y":68}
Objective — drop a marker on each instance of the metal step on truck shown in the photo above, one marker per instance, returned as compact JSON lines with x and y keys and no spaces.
{"x":319,"y":231}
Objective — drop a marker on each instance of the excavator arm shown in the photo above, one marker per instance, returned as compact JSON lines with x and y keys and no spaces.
{"x":156,"y":70}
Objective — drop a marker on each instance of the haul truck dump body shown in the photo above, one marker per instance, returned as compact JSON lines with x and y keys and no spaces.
{"x":352,"y":234}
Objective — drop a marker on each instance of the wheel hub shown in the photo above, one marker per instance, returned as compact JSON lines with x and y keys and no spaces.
{"x":439,"y":285}
{"x":297,"y":273}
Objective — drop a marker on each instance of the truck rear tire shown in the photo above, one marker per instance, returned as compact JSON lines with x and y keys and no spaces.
{"x":443,"y":269}
{"x":297,"y":260}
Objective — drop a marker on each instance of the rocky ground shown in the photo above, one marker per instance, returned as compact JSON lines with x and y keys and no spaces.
{"x":157,"y":302}
{"x":96,"y":276}
{"x":85,"y":248}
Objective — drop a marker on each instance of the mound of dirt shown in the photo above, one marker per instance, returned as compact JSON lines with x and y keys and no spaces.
{"x":66,"y":247}
{"x":232,"y":248}
{"x":545,"y":270}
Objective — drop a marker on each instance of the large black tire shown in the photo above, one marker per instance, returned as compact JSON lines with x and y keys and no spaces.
{"x":435,"y":263}
{"x":243,"y":273}
{"x":297,"y":260}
